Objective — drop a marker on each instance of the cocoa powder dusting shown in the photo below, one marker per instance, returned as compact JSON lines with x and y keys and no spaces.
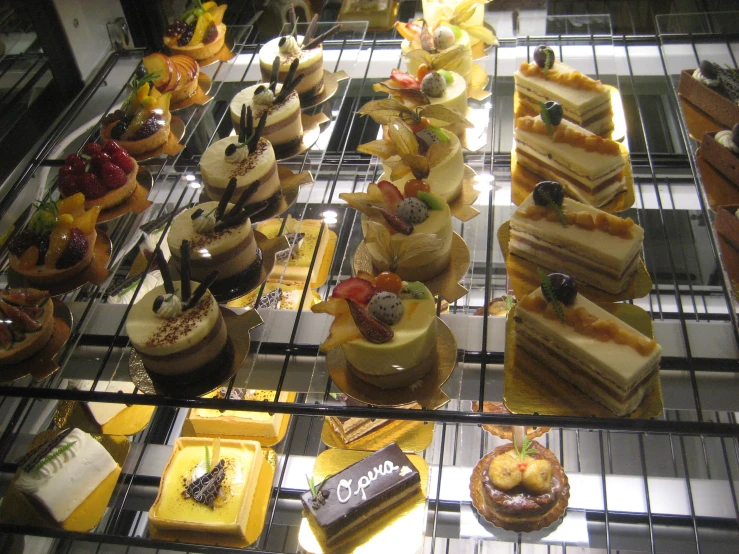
{"x":172,"y":330}
{"x":198,"y":241}
{"x":243,"y":167}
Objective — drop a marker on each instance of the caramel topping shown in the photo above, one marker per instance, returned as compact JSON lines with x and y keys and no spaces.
{"x":602,"y":221}
{"x":572,"y":79}
{"x":568,"y":135}
{"x":585,"y":323}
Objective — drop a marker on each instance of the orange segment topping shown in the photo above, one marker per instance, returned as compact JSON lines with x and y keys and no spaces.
{"x":568,"y":135}
{"x":573,"y":79}
{"x":605,"y":222}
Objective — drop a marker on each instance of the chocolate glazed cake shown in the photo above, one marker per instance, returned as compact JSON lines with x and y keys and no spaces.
{"x":346,"y":503}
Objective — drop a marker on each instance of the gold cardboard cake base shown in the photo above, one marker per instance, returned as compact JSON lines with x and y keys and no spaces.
{"x":138,"y":201}
{"x":254,"y":525}
{"x":199,"y":97}
{"x":523,"y":182}
{"x":330,"y":86}
{"x":531,"y":388}
{"x":505,"y":432}
{"x":719,"y":190}
{"x":95,"y":273}
{"x":426,"y":391}
{"x":42,"y":363}
{"x":189,"y":431}
{"x":445,"y":285}
{"x":410,"y":436}
{"x":525,"y":278}
{"x":16,"y":509}
{"x":238,"y":327}
{"x":133,"y":419}
{"x":399,"y":530}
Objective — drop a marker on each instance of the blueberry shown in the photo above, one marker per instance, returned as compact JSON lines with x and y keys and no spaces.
{"x":548,"y":190}
{"x":540,"y":56}
{"x":140,"y":72}
{"x":564,"y":288}
{"x":708,"y":70}
{"x":555,"y":112}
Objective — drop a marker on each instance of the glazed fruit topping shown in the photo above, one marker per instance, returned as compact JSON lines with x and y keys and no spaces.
{"x":107,"y":170}
{"x":372,"y":329}
{"x":75,"y":250}
{"x":387,"y":307}
{"x":112,"y":148}
{"x":413,"y":186}
{"x":357,"y":289}
{"x":175,"y":29}
{"x":91,"y":186}
{"x":211,"y":33}
{"x":396,"y":222}
{"x":391,"y":194}
{"x":554,"y":111}
{"x":413,"y":211}
{"x":122,"y":159}
{"x":19,"y":318}
{"x":404,"y":79}
{"x":24,"y":297}
{"x":390,"y":282}
{"x":113,"y":176}
{"x":544,"y":56}
{"x":563,"y":289}
{"x":186,"y":35}
{"x":548,"y":192}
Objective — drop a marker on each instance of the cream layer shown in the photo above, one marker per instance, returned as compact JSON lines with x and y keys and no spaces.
{"x":284,"y":121}
{"x":236,"y":422}
{"x":310,"y":64}
{"x":600,"y":121}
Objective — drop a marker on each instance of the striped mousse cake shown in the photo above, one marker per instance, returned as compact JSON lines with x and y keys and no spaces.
{"x":585,"y":101}
{"x":590,"y":168}
{"x":608,"y":360}
{"x":596,"y":248}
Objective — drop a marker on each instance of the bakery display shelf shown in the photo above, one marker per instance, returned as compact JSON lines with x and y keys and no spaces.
{"x":641,"y":484}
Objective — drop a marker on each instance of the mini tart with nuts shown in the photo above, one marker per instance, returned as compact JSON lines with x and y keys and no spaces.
{"x":520,"y":490}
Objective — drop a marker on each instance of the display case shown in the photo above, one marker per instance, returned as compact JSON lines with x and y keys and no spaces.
{"x":660,"y":484}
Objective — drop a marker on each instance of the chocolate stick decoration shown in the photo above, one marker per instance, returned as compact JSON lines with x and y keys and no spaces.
{"x":202,"y":287}
{"x":241,"y":217}
{"x":227,"y":194}
{"x":293,"y":18}
{"x":164,"y":269}
{"x":185,"y":290}
{"x":249,"y":128}
{"x":275,"y":74}
{"x":320,"y":38}
{"x":311,"y":29}
{"x":243,"y":199}
{"x":242,"y":129}
{"x":286,"y":90}
{"x":254,"y":140}
{"x":288,"y":78}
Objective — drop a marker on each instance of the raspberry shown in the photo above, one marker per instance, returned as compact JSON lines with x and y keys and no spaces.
{"x":124,"y":161}
{"x":99,"y":160}
{"x":92,"y":148}
{"x":91,"y":186}
{"x":111,"y":147}
{"x":66,"y":170}
{"x":69,"y":185}
{"x":79,"y":166}
{"x":72,"y":158}
{"x":113,"y":176}
{"x":75,"y":250}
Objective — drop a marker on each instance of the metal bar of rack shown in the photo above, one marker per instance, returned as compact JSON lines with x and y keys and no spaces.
{"x":677,"y":472}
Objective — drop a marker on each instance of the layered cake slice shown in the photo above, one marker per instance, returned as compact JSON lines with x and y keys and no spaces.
{"x":280,"y":103}
{"x":345,"y":504}
{"x":589,"y":167}
{"x":409,"y":234}
{"x":178,"y":332}
{"x":307,"y":50}
{"x":712,"y":89}
{"x":27,"y":324}
{"x":102,"y":412}
{"x":208,"y":486}
{"x":584,"y":101}
{"x":247,"y":158}
{"x":237,"y":422}
{"x":721,"y":150}
{"x":606,"y":359}
{"x":199,"y":32}
{"x":562,"y":235}
{"x":304,"y":243}
{"x":59,"y":475}
{"x":386,"y":329}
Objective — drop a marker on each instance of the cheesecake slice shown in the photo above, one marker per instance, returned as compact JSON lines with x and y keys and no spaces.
{"x":585,"y":101}
{"x":596,"y":248}
{"x":589,"y":167}
{"x":606,"y":359}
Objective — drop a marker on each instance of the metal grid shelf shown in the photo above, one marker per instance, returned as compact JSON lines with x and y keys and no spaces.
{"x":663,"y":496}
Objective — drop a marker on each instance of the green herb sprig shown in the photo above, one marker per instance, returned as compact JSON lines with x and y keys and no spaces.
{"x":45,"y":217}
{"x":545,"y":118}
{"x":552,"y":205}
{"x":526,"y":448}
{"x":315,"y":489}
{"x":54,"y":455}
{"x":509,"y":302}
{"x":548,"y":62}
{"x":207,"y":459}
{"x":546,"y":285}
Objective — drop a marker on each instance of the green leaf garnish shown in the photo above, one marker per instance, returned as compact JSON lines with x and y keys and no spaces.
{"x":207,"y":459}
{"x":508,"y":302}
{"x":548,"y":62}
{"x":555,"y":208}
{"x":44,"y":219}
{"x":545,"y":118}
{"x":546,"y":285}
{"x":51,"y":457}
{"x":526,"y":449}
{"x":312,"y":485}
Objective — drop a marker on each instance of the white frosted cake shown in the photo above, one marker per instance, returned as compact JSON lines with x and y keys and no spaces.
{"x":102,"y":412}
{"x":310,"y":65}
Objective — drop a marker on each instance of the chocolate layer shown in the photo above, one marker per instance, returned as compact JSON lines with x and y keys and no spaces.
{"x":724,"y":160}
{"x":311,"y":92}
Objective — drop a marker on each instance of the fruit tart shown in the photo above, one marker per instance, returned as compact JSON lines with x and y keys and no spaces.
{"x":386,"y":328}
{"x":430,"y":85}
{"x":522,"y":489}
{"x":433,"y":155}
{"x":58,"y":242}
{"x":142,"y":122}
{"x":199,"y":32}
{"x":27,"y":323}
{"x":177,"y":75}
{"x":409,"y":233}
{"x":445,"y":46}
{"x":105,"y":174}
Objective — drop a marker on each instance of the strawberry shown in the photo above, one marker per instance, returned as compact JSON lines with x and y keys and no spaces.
{"x":405,"y":80}
{"x":124,"y":161}
{"x":396,"y":223}
{"x":355,"y":288}
{"x":91,"y":186}
{"x":92,"y":148}
{"x":79,"y":166}
{"x":392,"y":195}
{"x":112,"y":147}
{"x":113,"y":176}
{"x":99,"y":160}
{"x":65,"y":170}
{"x":69,"y":185}
{"x":371,"y":328}
{"x":72,"y":158}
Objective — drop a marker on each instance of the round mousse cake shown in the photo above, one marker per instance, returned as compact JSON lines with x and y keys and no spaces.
{"x":310,"y":65}
{"x":174,"y":340}
{"x":284,"y":127}
{"x":463,"y":68}
{"x":446,"y":175}
{"x":232,"y":250}
{"x":218,"y":169}
{"x":454,"y":96}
